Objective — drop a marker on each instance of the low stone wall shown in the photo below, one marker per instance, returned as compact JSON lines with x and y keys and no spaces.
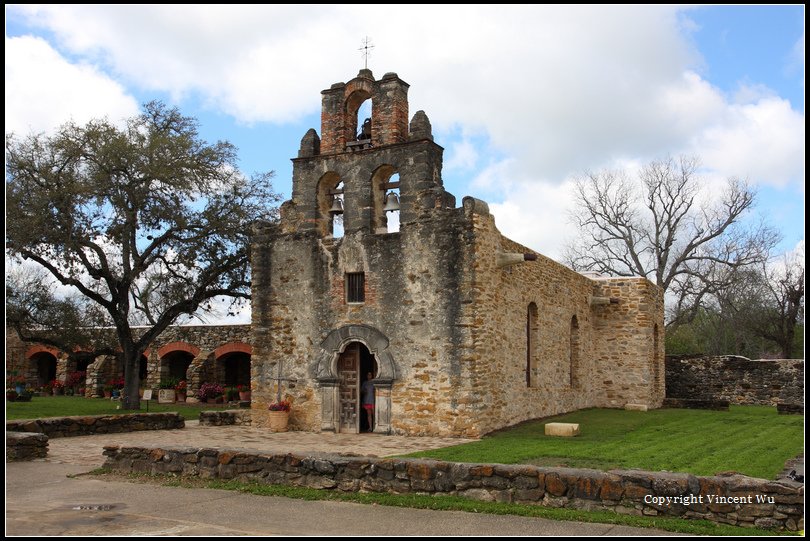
{"x":794,"y":409}
{"x":25,"y":446}
{"x":60,"y":427}
{"x":736,"y":379}
{"x":224,"y":417}
{"x":773,"y":504}
{"x":718,"y":405}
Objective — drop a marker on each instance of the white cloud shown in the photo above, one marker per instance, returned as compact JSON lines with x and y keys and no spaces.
{"x":763,"y":141}
{"x":463,"y":156}
{"x":552,"y":90}
{"x":537,"y":216}
{"x":44,"y":90}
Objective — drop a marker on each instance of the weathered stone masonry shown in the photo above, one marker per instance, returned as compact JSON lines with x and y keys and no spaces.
{"x":447,"y":298}
{"x":736,"y":379}
{"x":622,"y":491}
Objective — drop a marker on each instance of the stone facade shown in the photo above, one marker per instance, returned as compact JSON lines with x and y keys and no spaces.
{"x":63,"y":427}
{"x":464,"y":330}
{"x":737,"y":380}
{"x":736,"y":499}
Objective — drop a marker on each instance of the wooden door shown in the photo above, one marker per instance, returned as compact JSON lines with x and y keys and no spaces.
{"x":349,"y":374}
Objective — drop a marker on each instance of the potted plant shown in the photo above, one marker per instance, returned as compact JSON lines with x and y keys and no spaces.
{"x":16,"y":382}
{"x":180,"y":390}
{"x":231,"y":394}
{"x":279,"y":415}
{"x":117,"y":387}
{"x":26,"y":395}
{"x":107,"y":389}
{"x":244,"y":392}
{"x":211,"y":392}
{"x":58,"y":387}
{"x":166,"y":392}
{"x":11,"y":395}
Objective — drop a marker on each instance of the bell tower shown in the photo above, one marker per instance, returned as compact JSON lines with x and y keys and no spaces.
{"x":361,"y":170}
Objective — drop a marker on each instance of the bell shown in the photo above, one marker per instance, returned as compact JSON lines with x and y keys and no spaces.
{"x":391,"y":202}
{"x":337,"y":206}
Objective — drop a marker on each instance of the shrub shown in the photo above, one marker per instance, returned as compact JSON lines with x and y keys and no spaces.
{"x":210,"y":390}
{"x":169,"y":383}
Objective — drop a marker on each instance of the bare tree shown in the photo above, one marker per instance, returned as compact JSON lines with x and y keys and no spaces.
{"x":140,"y":223}
{"x":662,"y":226}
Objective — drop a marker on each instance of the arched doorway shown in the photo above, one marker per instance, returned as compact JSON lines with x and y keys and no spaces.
{"x":175,"y":364}
{"x":46,"y":366}
{"x":353,"y":365}
{"x":235,"y":368}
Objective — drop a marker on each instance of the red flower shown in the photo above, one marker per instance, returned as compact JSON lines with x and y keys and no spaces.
{"x":284,"y":405}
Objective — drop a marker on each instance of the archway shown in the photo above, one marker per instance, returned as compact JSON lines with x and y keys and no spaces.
{"x":46,"y":366}
{"x":175,"y":364}
{"x":353,"y":365}
{"x":328,"y":368}
{"x":234,"y":369}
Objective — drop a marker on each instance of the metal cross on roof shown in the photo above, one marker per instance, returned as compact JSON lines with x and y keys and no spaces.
{"x":367,"y":45}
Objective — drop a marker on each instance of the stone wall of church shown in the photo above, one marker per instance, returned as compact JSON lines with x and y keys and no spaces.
{"x":606,"y":358}
{"x":456,"y":322}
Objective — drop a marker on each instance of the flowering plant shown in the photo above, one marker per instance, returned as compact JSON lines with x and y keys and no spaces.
{"x":116,"y":383}
{"x":284,"y":405}
{"x":181,"y":386}
{"x":243,"y":388}
{"x":74,"y":379}
{"x":210,"y":390}
{"x":56,"y":384}
{"x":15,"y":380}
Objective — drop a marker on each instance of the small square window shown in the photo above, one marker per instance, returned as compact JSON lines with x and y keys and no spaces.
{"x":355,"y":287}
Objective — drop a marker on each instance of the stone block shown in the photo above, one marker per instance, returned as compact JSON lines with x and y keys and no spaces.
{"x":635,"y":407}
{"x":562,"y":429}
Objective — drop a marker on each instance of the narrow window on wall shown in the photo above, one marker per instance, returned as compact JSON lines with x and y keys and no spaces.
{"x":574,"y":351}
{"x":531,"y":345}
{"x":355,"y":287}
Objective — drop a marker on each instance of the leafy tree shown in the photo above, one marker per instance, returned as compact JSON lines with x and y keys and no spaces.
{"x":758,"y":314}
{"x":139,"y":224}
{"x":662,"y":227}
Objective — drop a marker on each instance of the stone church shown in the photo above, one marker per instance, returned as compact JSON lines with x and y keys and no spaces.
{"x":374,"y":272}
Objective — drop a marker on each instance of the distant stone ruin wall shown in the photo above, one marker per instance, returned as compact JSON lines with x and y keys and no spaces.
{"x":736,"y":499}
{"x":736,"y":379}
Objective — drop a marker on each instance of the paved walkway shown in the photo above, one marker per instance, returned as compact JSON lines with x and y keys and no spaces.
{"x":42,"y":500}
{"x":86,"y":450}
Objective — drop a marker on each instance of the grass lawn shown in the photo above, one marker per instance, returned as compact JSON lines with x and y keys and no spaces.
{"x":753,"y":440}
{"x":59,"y":406}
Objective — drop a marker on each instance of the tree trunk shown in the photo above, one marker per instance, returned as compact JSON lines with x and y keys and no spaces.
{"x":132,"y":382}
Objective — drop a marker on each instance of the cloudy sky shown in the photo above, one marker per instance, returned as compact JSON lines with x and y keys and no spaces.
{"x":521,"y":98}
